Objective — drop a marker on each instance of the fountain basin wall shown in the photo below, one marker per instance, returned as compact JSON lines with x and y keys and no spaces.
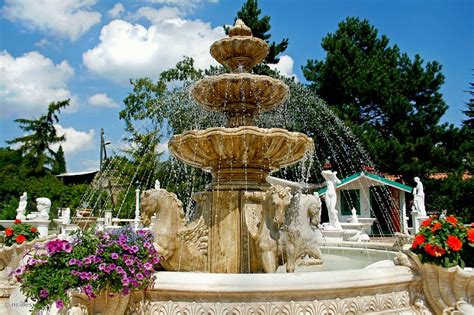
{"x":357,"y":291}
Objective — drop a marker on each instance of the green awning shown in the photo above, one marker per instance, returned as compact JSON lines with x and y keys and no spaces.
{"x":371,"y":177}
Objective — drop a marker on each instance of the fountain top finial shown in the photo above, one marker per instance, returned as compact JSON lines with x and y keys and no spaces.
{"x":240,"y":29}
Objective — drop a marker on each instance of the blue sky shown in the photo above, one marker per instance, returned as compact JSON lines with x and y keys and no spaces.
{"x":87,"y":50}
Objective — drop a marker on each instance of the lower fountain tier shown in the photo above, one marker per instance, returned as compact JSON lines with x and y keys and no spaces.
{"x":387,"y":290}
{"x":240,"y":95}
{"x":243,"y":156}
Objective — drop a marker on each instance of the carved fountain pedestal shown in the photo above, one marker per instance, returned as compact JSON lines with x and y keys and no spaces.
{"x":239,"y":216}
{"x":239,"y":156}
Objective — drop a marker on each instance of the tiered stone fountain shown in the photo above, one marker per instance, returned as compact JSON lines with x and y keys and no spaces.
{"x":240,"y":156}
{"x":218,"y":249}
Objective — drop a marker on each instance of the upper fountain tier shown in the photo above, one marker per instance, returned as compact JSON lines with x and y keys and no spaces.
{"x":240,"y":95}
{"x":240,"y":51}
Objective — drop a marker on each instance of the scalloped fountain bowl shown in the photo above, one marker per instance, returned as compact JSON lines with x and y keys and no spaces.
{"x":244,"y":154}
{"x":239,"y":52}
{"x":240,"y":93}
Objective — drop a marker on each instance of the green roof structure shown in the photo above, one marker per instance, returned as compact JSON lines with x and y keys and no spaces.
{"x":372,"y":179}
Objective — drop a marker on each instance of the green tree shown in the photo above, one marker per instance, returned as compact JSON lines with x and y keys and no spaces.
{"x":469,"y":112}
{"x":249,"y":13}
{"x":392,"y":101}
{"x":16,"y":177}
{"x":59,"y":166}
{"x":41,"y":135}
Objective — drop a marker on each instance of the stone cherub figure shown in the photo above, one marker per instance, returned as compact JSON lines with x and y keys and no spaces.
{"x":20,"y":212}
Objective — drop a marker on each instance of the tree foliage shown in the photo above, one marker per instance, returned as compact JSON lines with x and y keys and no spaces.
{"x":59,"y":165}
{"x":16,"y":177}
{"x":469,"y":112}
{"x":394,"y":105}
{"x":41,"y":135}
{"x":31,"y":167}
{"x":392,"y":101}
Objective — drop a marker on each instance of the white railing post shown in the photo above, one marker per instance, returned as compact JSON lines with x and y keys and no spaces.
{"x":137,"y":207}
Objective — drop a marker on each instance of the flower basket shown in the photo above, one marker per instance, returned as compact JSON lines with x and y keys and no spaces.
{"x":442,"y":252}
{"x":445,"y":289}
{"x":88,"y":265}
{"x":104,"y":303}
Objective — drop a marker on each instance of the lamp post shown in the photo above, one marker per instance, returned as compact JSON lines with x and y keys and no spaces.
{"x":103,"y":155}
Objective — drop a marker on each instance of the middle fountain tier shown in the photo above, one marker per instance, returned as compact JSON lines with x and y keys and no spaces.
{"x":241,"y":156}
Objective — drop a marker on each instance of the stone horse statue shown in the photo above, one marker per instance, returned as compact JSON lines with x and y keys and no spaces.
{"x":299,"y":245}
{"x":182,"y":245}
{"x":266,"y":233}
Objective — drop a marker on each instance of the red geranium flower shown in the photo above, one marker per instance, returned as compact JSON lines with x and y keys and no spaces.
{"x":427,"y":222}
{"x":454,"y":243}
{"x":419,"y":239}
{"x":8,"y":232}
{"x":33,"y":229}
{"x":20,"y":239}
{"x":436,"y":227}
{"x":17,"y":221}
{"x":470,"y":235}
{"x":434,"y":250}
{"x":451,"y":219}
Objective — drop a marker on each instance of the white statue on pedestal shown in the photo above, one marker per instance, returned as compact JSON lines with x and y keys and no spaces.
{"x":20,"y":212}
{"x":66,"y":216}
{"x":157,"y":184}
{"x":43,"y":206}
{"x":419,"y":197}
{"x":331,"y":198}
{"x":354,"y":217}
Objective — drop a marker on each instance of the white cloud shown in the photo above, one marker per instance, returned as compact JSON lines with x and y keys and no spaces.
{"x":66,"y":18}
{"x":131,"y":50}
{"x":42,"y":43}
{"x":184,"y":4}
{"x":285,"y":66}
{"x":102,"y":100}
{"x":76,"y":141}
{"x":30,"y":82}
{"x":89,"y":165}
{"x":116,"y":11}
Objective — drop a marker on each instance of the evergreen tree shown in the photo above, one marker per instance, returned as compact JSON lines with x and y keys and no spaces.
{"x":393,"y":102}
{"x":59,"y":162}
{"x":469,"y":122}
{"x":41,"y":134}
{"x":249,"y":13}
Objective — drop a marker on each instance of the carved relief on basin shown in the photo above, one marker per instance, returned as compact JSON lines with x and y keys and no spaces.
{"x":244,"y":154}
{"x":240,"y":94}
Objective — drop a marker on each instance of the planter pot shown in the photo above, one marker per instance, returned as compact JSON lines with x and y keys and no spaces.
{"x":10,"y":259}
{"x":103,"y":304}
{"x":447,"y":290}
